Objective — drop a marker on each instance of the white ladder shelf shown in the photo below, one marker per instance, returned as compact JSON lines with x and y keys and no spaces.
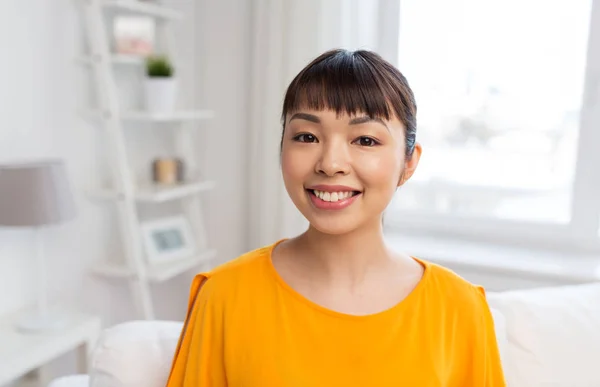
{"x":125,"y":194}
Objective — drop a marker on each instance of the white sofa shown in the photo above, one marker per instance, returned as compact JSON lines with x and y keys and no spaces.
{"x":548,"y":337}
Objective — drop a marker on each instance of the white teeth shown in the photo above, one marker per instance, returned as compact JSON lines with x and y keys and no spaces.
{"x":332,"y":196}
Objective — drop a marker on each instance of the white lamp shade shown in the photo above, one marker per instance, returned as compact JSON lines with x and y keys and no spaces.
{"x":35,"y":194}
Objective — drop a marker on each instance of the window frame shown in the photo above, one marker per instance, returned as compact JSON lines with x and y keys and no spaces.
{"x":581,"y":234}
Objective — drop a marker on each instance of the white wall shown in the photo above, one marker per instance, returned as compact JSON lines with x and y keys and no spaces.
{"x":40,"y":91}
{"x":223,"y":67}
{"x":37,"y":101}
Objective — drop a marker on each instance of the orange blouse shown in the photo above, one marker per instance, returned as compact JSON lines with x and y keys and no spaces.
{"x":246,"y":327}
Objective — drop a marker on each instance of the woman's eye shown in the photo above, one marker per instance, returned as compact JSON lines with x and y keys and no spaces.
{"x":366,"y":141}
{"x":305,"y":138}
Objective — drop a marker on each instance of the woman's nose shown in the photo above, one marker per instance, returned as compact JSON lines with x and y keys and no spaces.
{"x":333,"y":160}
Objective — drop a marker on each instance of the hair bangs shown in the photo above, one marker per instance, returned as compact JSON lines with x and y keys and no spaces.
{"x":342,"y":83}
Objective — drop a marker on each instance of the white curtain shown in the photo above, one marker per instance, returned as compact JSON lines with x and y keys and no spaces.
{"x":286,"y":35}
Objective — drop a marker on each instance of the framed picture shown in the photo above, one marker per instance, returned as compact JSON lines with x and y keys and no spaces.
{"x":168,"y":239}
{"x":134,"y":35}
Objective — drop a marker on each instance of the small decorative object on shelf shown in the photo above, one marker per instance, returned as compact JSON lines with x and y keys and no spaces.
{"x":134,"y":35}
{"x":168,"y":239}
{"x":160,"y":85}
{"x":166,"y":171}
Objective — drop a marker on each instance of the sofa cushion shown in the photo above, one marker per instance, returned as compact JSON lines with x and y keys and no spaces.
{"x":501,"y":336}
{"x":79,"y":380}
{"x":136,"y":353}
{"x":553,"y":335}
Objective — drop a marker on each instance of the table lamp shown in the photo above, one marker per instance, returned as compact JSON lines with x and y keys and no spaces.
{"x":36,"y":195}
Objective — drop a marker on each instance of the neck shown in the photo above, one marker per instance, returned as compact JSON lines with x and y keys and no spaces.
{"x":348,"y":257}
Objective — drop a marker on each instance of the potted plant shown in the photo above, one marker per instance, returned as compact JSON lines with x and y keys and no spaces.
{"x":160,"y":84}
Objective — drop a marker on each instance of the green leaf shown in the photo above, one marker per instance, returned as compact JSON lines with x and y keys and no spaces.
{"x":159,"y":66}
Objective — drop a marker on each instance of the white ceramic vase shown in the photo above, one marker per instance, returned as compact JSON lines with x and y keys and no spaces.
{"x":160,"y":94}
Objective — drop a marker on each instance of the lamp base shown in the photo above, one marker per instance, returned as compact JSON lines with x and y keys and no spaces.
{"x":38,"y":323}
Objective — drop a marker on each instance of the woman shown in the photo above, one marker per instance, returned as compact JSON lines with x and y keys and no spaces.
{"x":335,"y":306}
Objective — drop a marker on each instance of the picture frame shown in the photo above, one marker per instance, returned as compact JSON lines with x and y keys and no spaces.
{"x":167,"y":239}
{"x":134,"y":35}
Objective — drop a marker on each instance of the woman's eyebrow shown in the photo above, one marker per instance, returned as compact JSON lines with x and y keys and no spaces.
{"x":306,"y":116}
{"x":365,"y":119}
{"x":355,"y":121}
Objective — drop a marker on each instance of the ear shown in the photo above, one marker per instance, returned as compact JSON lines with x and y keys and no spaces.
{"x":410,"y":164}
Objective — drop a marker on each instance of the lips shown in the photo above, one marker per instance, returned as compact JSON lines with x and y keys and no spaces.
{"x":332,"y":197}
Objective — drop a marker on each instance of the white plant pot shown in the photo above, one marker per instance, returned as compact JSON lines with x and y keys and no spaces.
{"x":160,"y":94}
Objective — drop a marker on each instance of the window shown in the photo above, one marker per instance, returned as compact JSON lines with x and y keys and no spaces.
{"x":502,"y":118}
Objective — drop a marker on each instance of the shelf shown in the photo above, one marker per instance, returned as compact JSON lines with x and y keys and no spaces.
{"x":117,"y":59}
{"x":191,"y":115}
{"x":145,"y":8}
{"x":158,"y":272}
{"x":162,"y":194}
{"x":159,"y":194}
{"x":127,"y":59}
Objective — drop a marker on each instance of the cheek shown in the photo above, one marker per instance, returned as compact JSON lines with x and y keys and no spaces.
{"x":294,"y":164}
{"x":381,"y":169}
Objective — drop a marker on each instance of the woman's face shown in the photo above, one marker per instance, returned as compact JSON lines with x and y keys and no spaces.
{"x":341,"y":172}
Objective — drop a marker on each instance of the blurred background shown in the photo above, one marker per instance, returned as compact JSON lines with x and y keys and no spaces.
{"x":165,"y":115}
{"x":506,"y":92}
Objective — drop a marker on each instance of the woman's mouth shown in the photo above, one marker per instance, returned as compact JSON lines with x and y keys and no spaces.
{"x":326,"y":200}
{"x":333,"y":196}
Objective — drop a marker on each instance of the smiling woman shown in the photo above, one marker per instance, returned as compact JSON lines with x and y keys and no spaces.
{"x":335,"y":306}
{"x":337,"y":122}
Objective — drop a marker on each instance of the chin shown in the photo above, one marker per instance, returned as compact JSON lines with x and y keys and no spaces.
{"x":332,"y":223}
{"x":333,"y":227}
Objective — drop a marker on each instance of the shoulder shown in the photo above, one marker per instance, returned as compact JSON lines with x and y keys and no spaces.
{"x":453,"y":291}
{"x":462,"y":305}
{"x":238,"y":272}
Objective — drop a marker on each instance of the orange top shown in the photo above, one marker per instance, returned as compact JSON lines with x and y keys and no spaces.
{"x":246,"y":327}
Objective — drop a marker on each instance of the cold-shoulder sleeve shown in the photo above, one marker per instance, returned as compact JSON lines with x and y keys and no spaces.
{"x":198,"y":358}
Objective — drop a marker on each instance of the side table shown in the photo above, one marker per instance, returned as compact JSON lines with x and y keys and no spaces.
{"x":25,"y":353}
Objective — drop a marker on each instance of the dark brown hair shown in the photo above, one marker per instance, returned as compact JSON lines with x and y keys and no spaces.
{"x":351,"y":82}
